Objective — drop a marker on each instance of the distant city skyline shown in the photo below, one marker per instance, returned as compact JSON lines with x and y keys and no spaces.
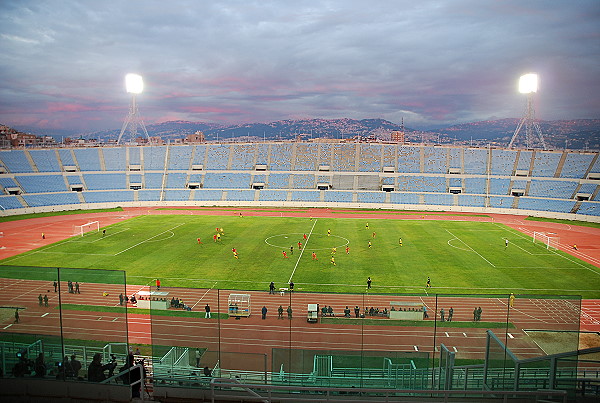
{"x":432,"y":63}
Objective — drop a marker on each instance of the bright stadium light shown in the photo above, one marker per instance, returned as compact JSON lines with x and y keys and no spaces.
{"x":528,"y":85}
{"x":134,"y":83}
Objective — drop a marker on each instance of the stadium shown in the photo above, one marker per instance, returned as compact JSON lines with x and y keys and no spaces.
{"x":482,"y":267}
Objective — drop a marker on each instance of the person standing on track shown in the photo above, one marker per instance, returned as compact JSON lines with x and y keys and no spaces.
{"x":158,"y":284}
{"x":263,"y":311}
{"x":207,"y":310}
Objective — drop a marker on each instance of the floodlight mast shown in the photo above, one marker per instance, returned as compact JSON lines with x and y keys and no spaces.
{"x":134,"y":85}
{"x":528,"y":85}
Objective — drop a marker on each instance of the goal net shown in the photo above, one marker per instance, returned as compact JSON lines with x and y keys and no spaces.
{"x":81,"y":230}
{"x":550,"y":240}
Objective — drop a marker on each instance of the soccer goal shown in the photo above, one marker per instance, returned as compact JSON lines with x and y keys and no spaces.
{"x":81,"y":230}
{"x":550,"y":240}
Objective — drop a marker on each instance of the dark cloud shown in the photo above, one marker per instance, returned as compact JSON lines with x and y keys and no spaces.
{"x":432,"y":62}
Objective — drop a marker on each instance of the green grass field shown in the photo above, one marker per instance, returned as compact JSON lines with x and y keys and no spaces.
{"x":460,"y":257}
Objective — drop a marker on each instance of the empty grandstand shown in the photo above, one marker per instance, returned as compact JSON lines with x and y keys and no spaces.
{"x":387,"y":176}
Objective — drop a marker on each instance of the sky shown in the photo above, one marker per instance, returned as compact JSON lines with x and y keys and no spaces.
{"x":433,"y":63}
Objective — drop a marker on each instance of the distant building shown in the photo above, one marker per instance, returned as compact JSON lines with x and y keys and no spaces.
{"x":398,"y":135}
{"x":197,"y":137}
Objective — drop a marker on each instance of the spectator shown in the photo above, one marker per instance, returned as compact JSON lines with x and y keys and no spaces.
{"x":96,"y":369}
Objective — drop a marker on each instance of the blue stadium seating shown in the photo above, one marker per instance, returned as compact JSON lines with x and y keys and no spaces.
{"x":154,"y":158}
{"x":244,"y":156}
{"x":240,"y":195}
{"x":206,"y":194}
{"x":45,"y":160}
{"x":108,"y":197}
{"x":370,"y":158}
{"x":180,"y":157}
{"x":281,"y":157}
{"x":9,"y":203}
{"x":422,"y":175}
{"x":306,"y":196}
{"x":545,"y":163}
{"x":404,"y":198}
{"x":15,"y":161}
{"x":304,"y":181}
{"x":503,"y":162}
{"x":7,"y":182}
{"x":88,"y":159}
{"x":272,"y":195}
{"x":576,"y":165}
{"x":176,"y":180}
{"x":148,"y":195}
{"x":306,"y":157}
{"x":51,"y":199}
{"x":42,"y":183}
{"x":217,"y":156}
{"x":344,"y":157}
{"x":66,"y":156}
{"x":338,"y":196}
{"x":409,"y":159}
{"x":370,"y":197}
{"x":475,"y":161}
{"x":587,"y":208}
{"x":115,"y":158}
{"x":105,"y":181}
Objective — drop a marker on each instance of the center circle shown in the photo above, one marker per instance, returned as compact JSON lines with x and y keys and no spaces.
{"x":314,"y":241}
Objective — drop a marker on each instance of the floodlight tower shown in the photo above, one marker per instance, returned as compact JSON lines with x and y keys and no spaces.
{"x":134,"y":85}
{"x":528,"y":85}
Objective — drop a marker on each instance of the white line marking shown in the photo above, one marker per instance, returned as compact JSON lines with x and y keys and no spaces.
{"x":302,"y":251}
{"x":510,"y":335}
{"x":115,"y":319}
{"x":464,"y":334}
{"x":99,"y":318}
{"x":46,"y":314}
{"x":416,"y":348}
{"x":6,"y":327}
{"x":473,"y":250}
{"x":447,"y":335}
{"x":455,"y":350}
{"x":147,"y":240}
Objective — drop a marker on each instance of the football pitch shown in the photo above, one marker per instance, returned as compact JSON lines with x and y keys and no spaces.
{"x":460,"y":257}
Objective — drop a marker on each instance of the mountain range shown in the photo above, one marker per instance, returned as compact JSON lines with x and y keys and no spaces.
{"x":558,"y":134}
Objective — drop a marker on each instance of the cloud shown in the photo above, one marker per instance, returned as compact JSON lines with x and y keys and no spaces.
{"x":433,"y":62}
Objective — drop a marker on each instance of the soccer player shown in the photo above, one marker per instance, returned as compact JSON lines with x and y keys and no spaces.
{"x":347,"y":250}
{"x":103,"y":232}
{"x":575,"y":247}
{"x":428,"y":285}
{"x":285,"y":256}
{"x":333,"y":261}
{"x":218,"y":236}
{"x":333,"y":251}
{"x":368,"y":283}
{"x":299,"y":245}
{"x":292,"y":250}
{"x":373,"y":234}
{"x":215,"y":237}
{"x":314,"y":256}
{"x":199,"y":241}
{"x":400,"y":241}
{"x":235,"y":255}
{"x":328,"y":232}
{"x":305,"y":237}
{"x":367,"y":226}
{"x":505,"y":243}
{"x":370,"y":245}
